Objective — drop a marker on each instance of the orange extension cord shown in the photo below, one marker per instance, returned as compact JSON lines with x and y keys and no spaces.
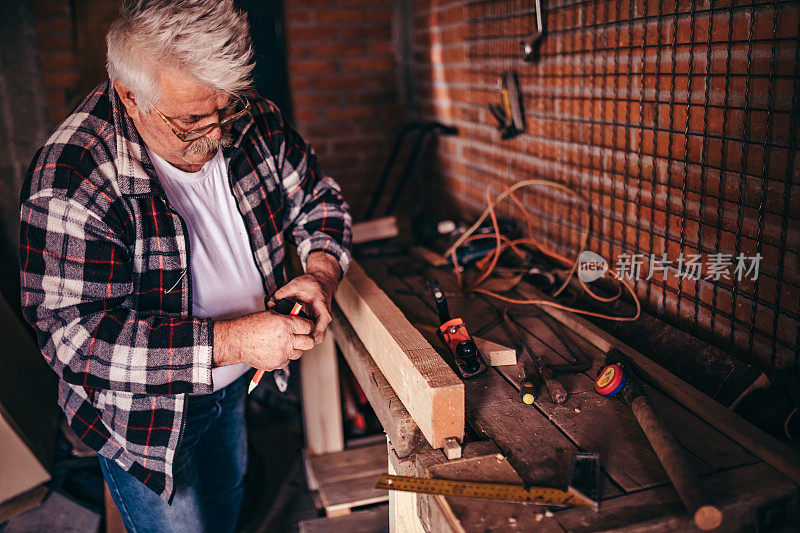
{"x":487,"y":265}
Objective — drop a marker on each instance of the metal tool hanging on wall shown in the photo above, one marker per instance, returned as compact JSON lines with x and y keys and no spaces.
{"x":530,"y":46}
{"x":509,"y":115}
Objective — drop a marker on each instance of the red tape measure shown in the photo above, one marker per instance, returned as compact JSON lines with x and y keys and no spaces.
{"x":610,"y":380}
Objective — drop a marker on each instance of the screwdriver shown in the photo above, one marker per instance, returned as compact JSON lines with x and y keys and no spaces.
{"x":555,"y":390}
{"x":280,"y":306}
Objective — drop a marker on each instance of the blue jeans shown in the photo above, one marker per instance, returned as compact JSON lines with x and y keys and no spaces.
{"x":209,"y":471}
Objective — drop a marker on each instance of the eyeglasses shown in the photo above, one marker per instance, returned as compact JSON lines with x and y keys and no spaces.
{"x":238,"y":109}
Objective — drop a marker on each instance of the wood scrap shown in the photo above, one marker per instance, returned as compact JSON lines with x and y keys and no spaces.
{"x":375,"y":230}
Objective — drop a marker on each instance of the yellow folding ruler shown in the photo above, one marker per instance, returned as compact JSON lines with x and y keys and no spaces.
{"x":487,"y":491}
{"x":583,"y":489}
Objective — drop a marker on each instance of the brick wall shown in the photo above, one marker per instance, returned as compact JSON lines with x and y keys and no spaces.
{"x":342,"y":77}
{"x":55,"y":40}
{"x":677,"y":121}
{"x":22,"y":127}
{"x":342,"y":74}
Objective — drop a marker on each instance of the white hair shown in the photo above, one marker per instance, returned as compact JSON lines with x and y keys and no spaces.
{"x":208,"y":40}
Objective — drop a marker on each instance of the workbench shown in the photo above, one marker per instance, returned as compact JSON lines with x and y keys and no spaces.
{"x":751,"y":477}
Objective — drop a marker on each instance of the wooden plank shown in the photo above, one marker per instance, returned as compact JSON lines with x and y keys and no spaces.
{"x":374,"y":230}
{"x":398,"y":424}
{"x":497,"y":354}
{"x":322,"y":411}
{"x":452,"y":449}
{"x":374,"y":520}
{"x":311,"y":479}
{"x":428,"y":388}
{"x":21,"y":470}
{"x":698,"y":437}
{"x":333,"y":467}
{"x":347,"y":479}
{"x":785,"y":459}
{"x":114,"y":523}
{"x":740,"y":493}
{"x":24,"y":502}
{"x":341,"y":497}
{"x":403,"y":512}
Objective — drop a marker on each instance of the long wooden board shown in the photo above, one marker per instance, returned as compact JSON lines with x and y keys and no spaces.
{"x":428,"y":388}
{"x":397,"y":422}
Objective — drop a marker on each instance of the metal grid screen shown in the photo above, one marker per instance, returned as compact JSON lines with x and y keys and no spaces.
{"x":678,"y":121}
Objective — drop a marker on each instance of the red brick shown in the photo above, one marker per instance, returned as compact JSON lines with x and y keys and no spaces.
{"x":305,"y":116}
{"x":48,"y":43}
{"x":309,"y":67}
{"x":52,"y":26}
{"x":366,"y":32}
{"x":338,"y":16}
{"x":298,"y":16}
{"x":353,"y":113}
{"x":338,"y":49}
{"x":51,"y":8}
{"x":309,"y":33}
{"x":65,"y":79}
{"x":381,"y":47}
{"x":55,"y":98}
{"x":368,"y":64}
{"x":58,"y":60}
{"x":56,"y":114}
{"x":315,"y":99}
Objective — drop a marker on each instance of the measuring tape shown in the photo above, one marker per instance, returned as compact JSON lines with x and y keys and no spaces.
{"x":610,"y":379}
{"x":486,"y":491}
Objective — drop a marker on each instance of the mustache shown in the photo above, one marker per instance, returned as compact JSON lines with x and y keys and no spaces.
{"x":205,"y":145}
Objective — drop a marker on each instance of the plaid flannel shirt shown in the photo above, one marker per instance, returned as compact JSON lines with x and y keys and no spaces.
{"x":105,"y":269}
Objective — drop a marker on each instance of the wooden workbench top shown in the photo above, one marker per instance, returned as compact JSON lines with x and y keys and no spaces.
{"x":538,"y":441}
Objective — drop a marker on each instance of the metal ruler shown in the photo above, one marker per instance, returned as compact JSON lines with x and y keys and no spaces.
{"x":486,"y":491}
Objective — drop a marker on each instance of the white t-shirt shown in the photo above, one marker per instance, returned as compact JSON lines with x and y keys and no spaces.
{"x":225,"y":280}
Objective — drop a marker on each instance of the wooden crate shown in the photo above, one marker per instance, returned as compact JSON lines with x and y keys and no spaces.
{"x":346,"y":480}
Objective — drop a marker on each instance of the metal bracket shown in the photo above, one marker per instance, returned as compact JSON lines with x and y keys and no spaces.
{"x":530,"y":46}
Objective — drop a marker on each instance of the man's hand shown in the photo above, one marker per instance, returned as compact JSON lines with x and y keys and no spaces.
{"x":264,"y":340}
{"x":316,"y":288}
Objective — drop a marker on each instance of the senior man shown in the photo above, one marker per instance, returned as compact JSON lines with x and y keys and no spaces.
{"x":154,"y":226}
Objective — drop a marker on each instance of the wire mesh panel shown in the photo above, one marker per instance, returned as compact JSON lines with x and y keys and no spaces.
{"x":676,"y":120}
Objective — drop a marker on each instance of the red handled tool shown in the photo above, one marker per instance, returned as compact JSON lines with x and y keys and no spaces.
{"x":466,"y":360}
{"x":287,"y":306}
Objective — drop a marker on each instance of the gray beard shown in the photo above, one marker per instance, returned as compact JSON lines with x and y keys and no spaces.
{"x":206,"y":145}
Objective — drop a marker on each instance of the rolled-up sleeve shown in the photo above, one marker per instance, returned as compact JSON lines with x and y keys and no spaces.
{"x":317,"y":216}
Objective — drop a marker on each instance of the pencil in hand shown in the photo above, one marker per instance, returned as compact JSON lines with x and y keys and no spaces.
{"x":280,"y":307}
